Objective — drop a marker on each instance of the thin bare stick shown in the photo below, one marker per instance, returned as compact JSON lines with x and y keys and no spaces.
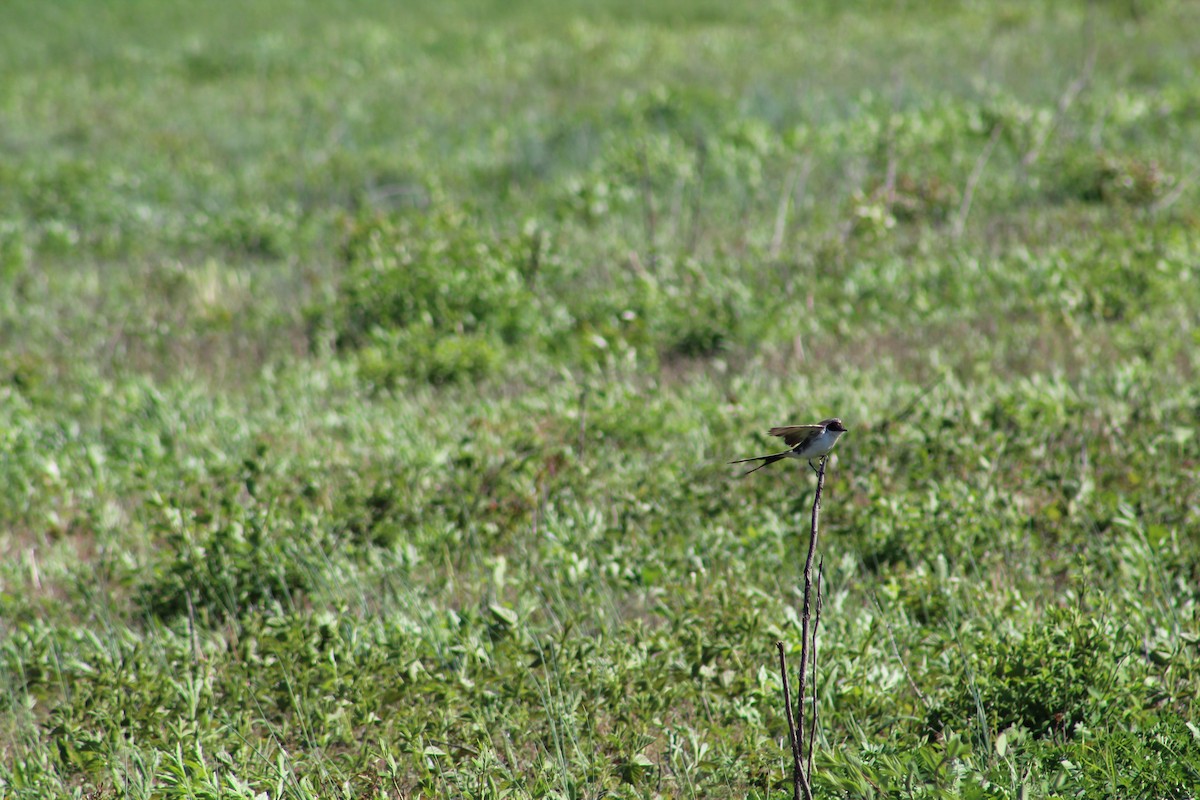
{"x":793,"y":734}
{"x":797,"y":175}
{"x":697,"y":197}
{"x":812,"y":731}
{"x":35,"y":575}
{"x":964,"y":208}
{"x":1064,"y":103}
{"x":806,"y":614}
{"x":534,"y":264}
{"x":583,"y":394}
{"x":648,"y":214}
{"x":901,"y":415}
{"x":896,"y":649}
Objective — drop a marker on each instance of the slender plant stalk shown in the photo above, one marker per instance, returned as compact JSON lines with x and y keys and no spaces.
{"x":1064,"y":104}
{"x":694,"y":221}
{"x":583,"y":398}
{"x":802,"y":776}
{"x":806,"y":614}
{"x":812,"y":727}
{"x":798,"y":778}
{"x":964,"y":207}
{"x":796,"y":177}
{"x":649,"y":217}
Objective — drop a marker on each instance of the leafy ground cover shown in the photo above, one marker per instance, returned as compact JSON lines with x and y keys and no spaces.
{"x":368,"y":374}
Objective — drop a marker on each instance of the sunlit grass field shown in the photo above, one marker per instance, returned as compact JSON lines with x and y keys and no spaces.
{"x":369,"y":374}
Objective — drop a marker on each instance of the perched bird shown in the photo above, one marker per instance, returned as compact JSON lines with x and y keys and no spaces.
{"x":806,"y":441}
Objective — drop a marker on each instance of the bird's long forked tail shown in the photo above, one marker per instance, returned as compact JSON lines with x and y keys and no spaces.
{"x":771,"y":459}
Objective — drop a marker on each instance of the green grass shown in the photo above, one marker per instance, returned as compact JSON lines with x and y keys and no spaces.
{"x":368,"y":374}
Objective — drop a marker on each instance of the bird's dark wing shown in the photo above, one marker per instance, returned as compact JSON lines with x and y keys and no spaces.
{"x":793,"y":435}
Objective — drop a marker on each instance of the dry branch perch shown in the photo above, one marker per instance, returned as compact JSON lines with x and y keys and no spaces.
{"x":801,"y":772}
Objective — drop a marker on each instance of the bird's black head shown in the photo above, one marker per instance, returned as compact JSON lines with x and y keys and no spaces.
{"x":835,"y":424}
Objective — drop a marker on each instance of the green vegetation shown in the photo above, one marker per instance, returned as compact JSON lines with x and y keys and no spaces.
{"x":368,"y":373}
